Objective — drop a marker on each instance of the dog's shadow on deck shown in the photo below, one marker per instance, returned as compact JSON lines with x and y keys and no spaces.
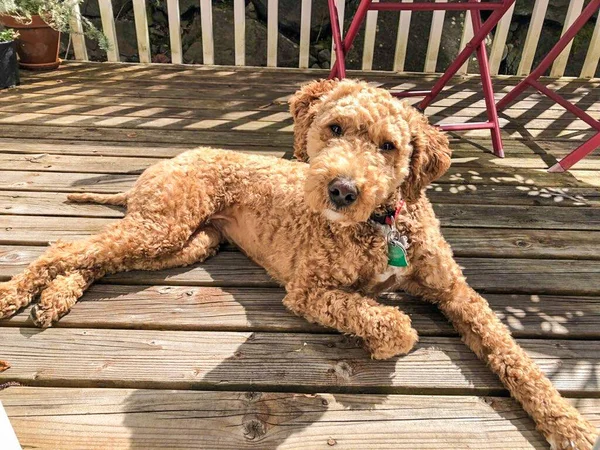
{"x":274,"y":378}
{"x":261,"y":384}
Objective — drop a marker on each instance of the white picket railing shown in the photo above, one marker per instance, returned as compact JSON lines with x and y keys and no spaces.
{"x":429,"y":65}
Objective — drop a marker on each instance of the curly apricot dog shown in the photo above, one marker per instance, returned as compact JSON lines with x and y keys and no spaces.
{"x":335,"y":232}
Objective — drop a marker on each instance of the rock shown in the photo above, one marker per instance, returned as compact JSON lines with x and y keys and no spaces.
{"x":90,"y":8}
{"x":193,"y":55}
{"x":315,"y":66}
{"x":556,"y":12}
{"x":549,"y":36}
{"x":324,"y":55}
{"x":256,"y":42}
{"x":127,"y":40}
{"x":325,"y":65}
{"x":159,"y":17}
{"x":289,"y":15}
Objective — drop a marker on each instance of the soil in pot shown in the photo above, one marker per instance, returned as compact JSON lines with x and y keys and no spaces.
{"x":9,"y":72}
{"x":38,"y":44}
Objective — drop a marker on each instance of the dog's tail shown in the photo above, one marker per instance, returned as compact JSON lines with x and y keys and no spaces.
{"x":119,"y":199}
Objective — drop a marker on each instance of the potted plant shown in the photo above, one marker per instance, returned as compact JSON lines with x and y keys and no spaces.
{"x":9,"y":72}
{"x":40,"y":23}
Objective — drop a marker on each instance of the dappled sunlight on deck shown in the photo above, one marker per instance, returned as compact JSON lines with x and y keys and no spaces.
{"x":211,"y":350}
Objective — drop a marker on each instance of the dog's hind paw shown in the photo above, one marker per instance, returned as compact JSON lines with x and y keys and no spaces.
{"x":44,"y":317}
{"x":574,"y":435}
{"x":58,"y":298}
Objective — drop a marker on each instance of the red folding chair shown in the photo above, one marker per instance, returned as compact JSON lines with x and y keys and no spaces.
{"x":532,"y":80}
{"x":476,"y":44}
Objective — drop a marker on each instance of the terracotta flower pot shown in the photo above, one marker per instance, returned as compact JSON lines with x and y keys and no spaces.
{"x":37,"y":45}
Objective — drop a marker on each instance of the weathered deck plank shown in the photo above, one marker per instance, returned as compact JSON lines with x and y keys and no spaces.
{"x":296,"y":362}
{"x":527,"y":239}
{"x":90,"y":418}
{"x":261,"y":309}
{"x":232,"y":269}
{"x":467,"y":160}
{"x":78,"y":223}
{"x":44,"y":203}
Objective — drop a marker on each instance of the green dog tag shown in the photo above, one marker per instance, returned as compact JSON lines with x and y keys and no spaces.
{"x":397,"y":255}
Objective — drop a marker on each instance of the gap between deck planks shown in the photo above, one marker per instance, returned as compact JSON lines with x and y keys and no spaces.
{"x":56,"y":204}
{"x":471,"y":158}
{"x":196,"y":308}
{"x":453,"y":214}
{"x":232,"y":269}
{"x":294,"y":362}
{"x":81,"y":419}
{"x":48,"y":179}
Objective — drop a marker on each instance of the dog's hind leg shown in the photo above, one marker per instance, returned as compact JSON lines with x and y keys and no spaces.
{"x":439,"y":279}
{"x":65,"y":290}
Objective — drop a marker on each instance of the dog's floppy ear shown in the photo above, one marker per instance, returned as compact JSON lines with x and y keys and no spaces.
{"x":430,"y":158}
{"x":301,"y":108}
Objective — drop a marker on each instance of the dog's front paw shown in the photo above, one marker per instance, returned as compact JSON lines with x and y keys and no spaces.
{"x":572,"y":434}
{"x":11,"y":300}
{"x":390,"y":334}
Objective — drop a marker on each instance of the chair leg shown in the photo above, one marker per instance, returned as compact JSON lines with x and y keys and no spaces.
{"x":478,"y":38}
{"x":577,"y":154}
{"x":339,"y":68}
{"x":488,"y":89}
{"x":341,"y":47}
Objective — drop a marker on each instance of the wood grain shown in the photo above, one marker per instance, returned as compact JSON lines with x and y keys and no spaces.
{"x":80,"y":221}
{"x":232,"y":269}
{"x":73,"y":357}
{"x":70,"y":418}
{"x":56,"y":204}
{"x":261,"y":309}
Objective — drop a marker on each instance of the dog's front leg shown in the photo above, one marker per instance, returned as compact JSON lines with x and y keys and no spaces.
{"x":385,"y":330}
{"x":438,"y":278}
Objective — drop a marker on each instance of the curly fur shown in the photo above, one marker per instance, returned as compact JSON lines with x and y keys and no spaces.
{"x":332,"y":261}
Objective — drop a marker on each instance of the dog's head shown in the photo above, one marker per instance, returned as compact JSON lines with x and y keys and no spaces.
{"x":363,"y":145}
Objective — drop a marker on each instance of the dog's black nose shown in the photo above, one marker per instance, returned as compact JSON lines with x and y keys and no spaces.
{"x":343,"y":192}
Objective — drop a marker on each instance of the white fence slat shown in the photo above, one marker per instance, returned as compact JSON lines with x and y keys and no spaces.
{"x":206,"y":20}
{"x":141,"y":30}
{"x":341,"y":6}
{"x":435,"y":38}
{"x":272,"y":32}
{"x":402,"y":39}
{"x":108,"y":27}
{"x":239,"y":25}
{"x":174,"y":31}
{"x":499,"y":43}
{"x":560,"y":63}
{"x":533,"y":37}
{"x":78,"y":38}
{"x":369,"y":42}
{"x":593,"y":55}
{"x":466,"y":37}
{"x":305,"y":34}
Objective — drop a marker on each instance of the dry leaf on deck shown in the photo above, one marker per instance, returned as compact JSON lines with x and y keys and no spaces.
{"x":4,"y":366}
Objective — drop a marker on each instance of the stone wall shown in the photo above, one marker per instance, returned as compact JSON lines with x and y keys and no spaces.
{"x":320,"y":55}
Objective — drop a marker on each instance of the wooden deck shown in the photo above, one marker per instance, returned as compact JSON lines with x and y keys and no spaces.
{"x":207,"y":357}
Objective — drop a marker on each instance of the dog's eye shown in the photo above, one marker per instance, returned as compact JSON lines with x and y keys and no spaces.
{"x":336,"y":129}
{"x":387,"y":146}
